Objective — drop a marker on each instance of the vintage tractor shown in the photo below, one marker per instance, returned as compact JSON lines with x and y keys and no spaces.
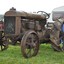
{"x":29,"y":29}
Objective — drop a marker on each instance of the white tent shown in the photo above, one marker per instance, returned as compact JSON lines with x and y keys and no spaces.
{"x":56,"y":13}
{"x":58,"y":9}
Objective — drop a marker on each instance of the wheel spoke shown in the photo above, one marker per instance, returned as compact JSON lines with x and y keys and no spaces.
{"x":32,"y":39}
{"x":29,"y":53}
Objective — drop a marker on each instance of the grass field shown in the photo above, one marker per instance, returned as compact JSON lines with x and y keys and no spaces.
{"x":46,"y":55}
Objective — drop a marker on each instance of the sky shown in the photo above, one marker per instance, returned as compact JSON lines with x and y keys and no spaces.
{"x":30,"y":5}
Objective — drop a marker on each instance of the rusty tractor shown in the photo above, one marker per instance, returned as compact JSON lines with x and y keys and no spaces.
{"x":29,"y":29}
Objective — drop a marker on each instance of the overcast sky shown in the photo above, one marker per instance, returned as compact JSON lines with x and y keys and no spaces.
{"x":30,"y":5}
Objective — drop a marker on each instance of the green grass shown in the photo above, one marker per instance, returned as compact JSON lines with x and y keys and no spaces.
{"x":46,"y":55}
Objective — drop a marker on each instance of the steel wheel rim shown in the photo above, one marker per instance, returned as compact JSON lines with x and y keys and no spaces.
{"x":30,"y":46}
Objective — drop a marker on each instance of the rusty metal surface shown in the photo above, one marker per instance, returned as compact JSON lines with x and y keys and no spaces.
{"x":18,"y":25}
{"x":32,"y":21}
{"x":13,"y":12}
{"x":55,"y":35}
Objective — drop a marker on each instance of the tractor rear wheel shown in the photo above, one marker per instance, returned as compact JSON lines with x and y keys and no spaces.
{"x":4,"y":45}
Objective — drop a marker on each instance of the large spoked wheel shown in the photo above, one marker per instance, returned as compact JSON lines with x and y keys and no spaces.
{"x":4,"y":45}
{"x":30,"y":44}
{"x":3,"y":41}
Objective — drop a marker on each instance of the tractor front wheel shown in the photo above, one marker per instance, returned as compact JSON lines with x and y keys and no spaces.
{"x":30,"y":44}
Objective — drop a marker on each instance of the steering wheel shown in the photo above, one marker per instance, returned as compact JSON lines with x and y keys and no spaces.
{"x":44,"y":13}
